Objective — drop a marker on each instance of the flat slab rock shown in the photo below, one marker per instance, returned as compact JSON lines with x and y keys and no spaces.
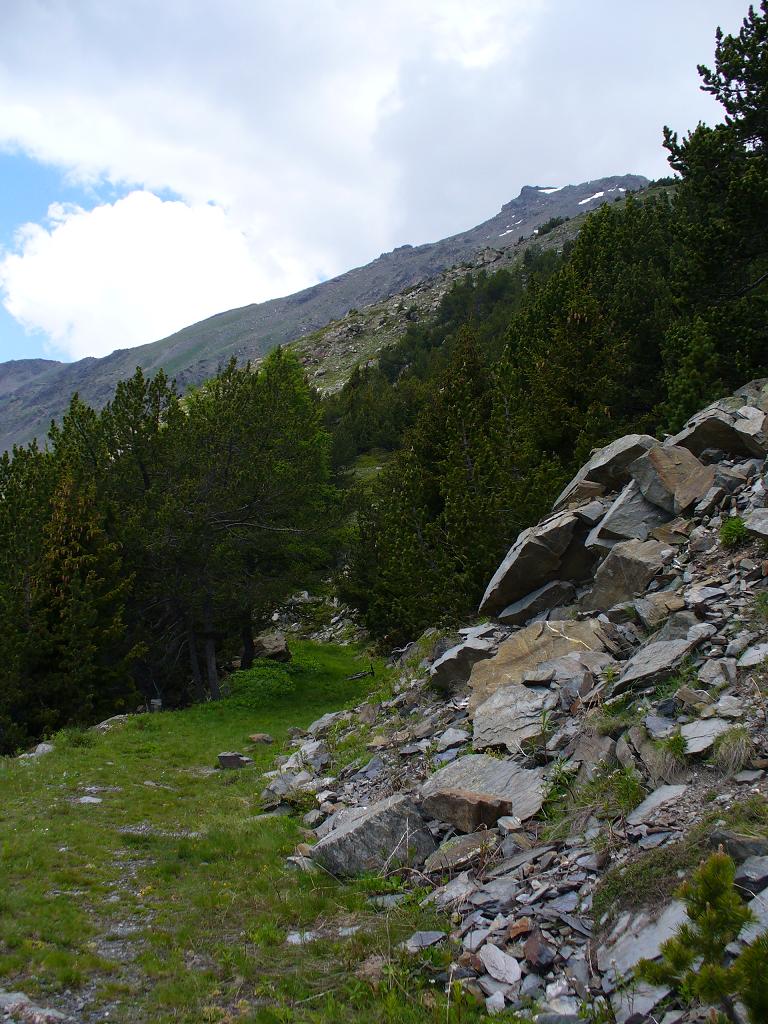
{"x":652,"y":660}
{"x":477,"y":790}
{"x":700,"y":736}
{"x":659,"y":798}
{"x":551,"y":595}
{"x":459,"y":850}
{"x":529,"y":648}
{"x":638,"y":936}
{"x":512,"y":715}
{"x":389,"y":832}
{"x":454,"y":667}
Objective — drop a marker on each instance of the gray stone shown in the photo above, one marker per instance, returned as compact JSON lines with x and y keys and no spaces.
{"x":609,"y":466}
{"x":477,"y":789}
{"x":638,"y":999}
{"x":533,"y":560}
{"x":512,"y":715}
{"x":631,"y":516}
{"x":753,"y":656}
{"x":453,"y":893}
{"x":452,"y":738}
{"x":672,"y":478}
{"x":460,"y":850}
{"x":422,"y":940}
{"x":321,"y":726}
{"x":659,"y":798}
{"x":757,"y":523}
{"x":652,"y":660}
{"x":40,"y":750}
{"x":386,"y":833}
{"x":628,"y":569}
{"x":273,"y":646}
{"x":700,"y":736}
{"x":677,"y":626}
{"x":737,"y":846}
{"x":455,"y":666}
{"x":499,"y":964}
{"x":752,"y":875}
{"x":639,"y":936}
{"x":551,"y":595}
{"x":759,"y":907}
{"x":725,"y":426}
{"x":654,"y":609}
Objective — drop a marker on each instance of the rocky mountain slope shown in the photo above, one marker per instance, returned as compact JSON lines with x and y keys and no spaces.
{"x":551,"y":774}
{"x":32,"y":392}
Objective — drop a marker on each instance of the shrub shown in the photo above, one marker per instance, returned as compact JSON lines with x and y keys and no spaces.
{"x":254,"y":688}
{"x":695,"y":960}
{"x":733,"y":533}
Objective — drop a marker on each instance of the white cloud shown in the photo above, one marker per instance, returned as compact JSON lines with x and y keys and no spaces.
{"x":128,"y":273}
{"x":322,"y":133}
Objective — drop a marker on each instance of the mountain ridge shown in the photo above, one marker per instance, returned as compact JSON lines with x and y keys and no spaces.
{"x":34,"y":392}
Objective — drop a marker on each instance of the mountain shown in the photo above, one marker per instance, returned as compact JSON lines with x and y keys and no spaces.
{"x":35,"y":391}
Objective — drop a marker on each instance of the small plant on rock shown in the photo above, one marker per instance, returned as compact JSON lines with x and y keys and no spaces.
{"x":695,"y":961}
{"x":733,"y":533}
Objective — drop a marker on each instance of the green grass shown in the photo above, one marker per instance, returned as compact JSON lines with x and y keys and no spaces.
{"x":170,"y":901}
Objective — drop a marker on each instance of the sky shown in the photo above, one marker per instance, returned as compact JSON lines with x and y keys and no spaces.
{"x":162,"y":162}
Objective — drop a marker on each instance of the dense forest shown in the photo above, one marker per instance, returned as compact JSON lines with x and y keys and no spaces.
{"x":145,"y":543}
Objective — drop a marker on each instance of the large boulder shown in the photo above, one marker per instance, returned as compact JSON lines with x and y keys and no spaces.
{"x":271,"y":645}
{"x":534,"y":559}
{"x":454,"y":667}
{"x":757,"y":523}
{"x":608,"y":466}
{"x":551,"y":595}
{"x":512,"y":715}
{"x":529,"y":647}
{"x":628,"y":569}
{"x":630,"y":517}
{"x":737,"y":425}
{"x":477,"y":790}
{"x":389,"y":832}
{"x":672,"y":478}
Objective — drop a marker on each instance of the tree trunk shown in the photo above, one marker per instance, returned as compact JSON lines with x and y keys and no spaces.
{"x":194,"y":663}
{"x":210,"y":649}
{"x":248,"y":647}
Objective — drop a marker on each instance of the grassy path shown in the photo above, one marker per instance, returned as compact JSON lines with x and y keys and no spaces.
{"x":170,"y":899}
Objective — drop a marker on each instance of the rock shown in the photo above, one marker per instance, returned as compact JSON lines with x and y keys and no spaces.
{"x":659,"y":798}
{"x":609,"y":466}
{"x":652,"y":660}
{"x":756,"y":524}
{"x":633,"y":1005}
{"x":627,"y":570}
{"x":454,"y":667}
{"x":700,"y":736}
{"x":111,"y":723}
{"x":477,"y":789}
{"x":455,"y":892}
{"x":231,"y":759}
{"x":538,"y":953}
{"x":512,"y":715}
{"x":672,"y":478}
{"x":495,"y":1004}
{"x":388,"y":832}
{"x":631,"y":516}
{"x":499,"y":964}
{"x":452,"y":738}
{"x":533,"y":560}
{"x":737,"y":846}
{"x":637,"y":937}
{"x":421,"y":940}
{"x":759,"y":908}
{"x":40,"y":750}
{"x":271,"y":645}
{"x":260,"y":737}
{"x":529,"y":647}
{"x":460,"y":850}
{"x":551,"y":595}
{"x":321,"y":726}
{"x":727,"y":425}
{"x":752,"y":875}
{"x":89,"y":800}
{"x":753,"y":656}
{"x":654,"y":609}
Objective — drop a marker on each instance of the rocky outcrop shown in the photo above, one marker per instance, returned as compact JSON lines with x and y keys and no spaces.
{"x":625,"y":711}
